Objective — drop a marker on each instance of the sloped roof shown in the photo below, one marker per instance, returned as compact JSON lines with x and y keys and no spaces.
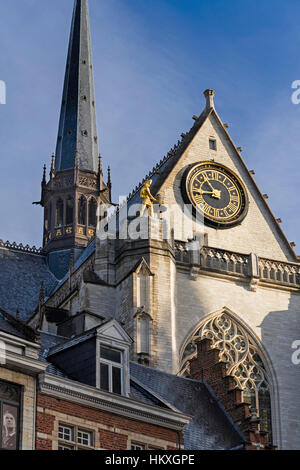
{"x":211,"y":428}
{"x":12,"y":326}
{"x":21,"y":275}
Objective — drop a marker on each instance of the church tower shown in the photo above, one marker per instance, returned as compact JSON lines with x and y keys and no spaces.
{"x":76,"y":187}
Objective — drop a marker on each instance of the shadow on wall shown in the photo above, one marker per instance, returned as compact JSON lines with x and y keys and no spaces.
{"x":279,"y":330}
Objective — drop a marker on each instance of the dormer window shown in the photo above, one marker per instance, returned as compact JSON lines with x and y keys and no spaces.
{"x":111,"y":370}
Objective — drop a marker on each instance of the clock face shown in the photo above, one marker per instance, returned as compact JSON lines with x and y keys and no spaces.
{"x":217,"y":192}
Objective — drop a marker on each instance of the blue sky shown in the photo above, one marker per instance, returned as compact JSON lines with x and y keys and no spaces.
{"x":152,"y":61}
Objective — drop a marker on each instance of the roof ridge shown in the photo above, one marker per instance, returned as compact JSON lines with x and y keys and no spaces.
{"x":172,"y":153}
{"x":21,"y":247}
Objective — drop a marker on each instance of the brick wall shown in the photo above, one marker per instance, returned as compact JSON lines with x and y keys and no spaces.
{"x":208,"y":366}
{"x":112,"y":432}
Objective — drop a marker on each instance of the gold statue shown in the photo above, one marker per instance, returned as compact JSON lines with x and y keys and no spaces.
{"x":148,"y":199}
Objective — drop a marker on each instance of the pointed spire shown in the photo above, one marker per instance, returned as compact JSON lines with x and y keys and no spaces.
{"x":100,"y":166}
{"x":52,"y":169}
{"x":109,"y":185}
{"x":77,"y":127}
{"x":44,"y":181}
{"x":100,"y":173}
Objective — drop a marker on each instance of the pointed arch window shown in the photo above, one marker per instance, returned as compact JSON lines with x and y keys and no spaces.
{"x":59,"y":213}
{"x":92,"y":212}
{"x":82,"y":211}
{"x":70,"y":211}
{"x":244,"y":363}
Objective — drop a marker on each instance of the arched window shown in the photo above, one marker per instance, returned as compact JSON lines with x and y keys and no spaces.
{"x":59,"y":213}
{"x":92,"y":212}
{"x":70,"y":211}
{"x":82,"y":211}
{"x":244,"y":363}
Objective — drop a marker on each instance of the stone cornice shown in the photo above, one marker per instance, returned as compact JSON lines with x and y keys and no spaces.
{"x":78,"y":393}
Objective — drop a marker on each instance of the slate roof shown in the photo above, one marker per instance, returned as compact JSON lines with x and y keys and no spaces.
{"x":12,"y":326}
{"x":211,"y":428}
{"x":87,"y":252}
{"x":21,"y":275}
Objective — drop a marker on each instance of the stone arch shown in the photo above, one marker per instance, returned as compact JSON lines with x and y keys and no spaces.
{"x":247,"y":362}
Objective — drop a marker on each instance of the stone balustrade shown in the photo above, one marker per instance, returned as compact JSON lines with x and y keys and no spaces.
{"x":249,"y":266}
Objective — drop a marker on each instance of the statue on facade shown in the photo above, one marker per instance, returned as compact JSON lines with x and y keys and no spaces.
{"x":148,"y":199}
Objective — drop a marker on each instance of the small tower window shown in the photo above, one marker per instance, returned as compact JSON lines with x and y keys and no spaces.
{"x":212,"y":144}
{"x":92,"y":213}
{"x":46,"y":218}
{"x":82,"y":211}
{"x":70,"y":211}
{"x":59,"y":213}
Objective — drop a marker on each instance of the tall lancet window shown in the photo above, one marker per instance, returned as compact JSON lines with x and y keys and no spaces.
{"x":59,"y":213}
{"x":143,"y":326}
{"x":70,"y":211}
{"x":92,"y":212}
{"x":82,"y":211}
{"x":142,"y":289}
{"x":46,"y":218}
{"x":244,"y":363}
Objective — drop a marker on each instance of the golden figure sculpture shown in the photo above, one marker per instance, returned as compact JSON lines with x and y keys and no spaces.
{"x":148,"y":199}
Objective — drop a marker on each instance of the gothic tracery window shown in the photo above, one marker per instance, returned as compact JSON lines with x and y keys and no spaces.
{"x":244,"y":363}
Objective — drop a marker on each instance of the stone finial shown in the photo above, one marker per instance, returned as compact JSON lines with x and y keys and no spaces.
{"x":209,"y":95}
{"x":52,"y":169}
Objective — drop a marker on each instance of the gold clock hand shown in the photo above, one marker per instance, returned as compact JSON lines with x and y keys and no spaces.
{"x":206,"y":179}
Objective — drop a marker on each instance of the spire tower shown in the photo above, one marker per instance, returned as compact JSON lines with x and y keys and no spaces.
{"x":78,"y":125}
{"x":75,"y":189}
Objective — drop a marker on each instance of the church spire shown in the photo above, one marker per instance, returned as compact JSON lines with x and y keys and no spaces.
{"x":77,"y":126}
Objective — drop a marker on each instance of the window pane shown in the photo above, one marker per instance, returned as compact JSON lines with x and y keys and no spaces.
{"x":137,"y":446}
{"x":104,"y":382}
{"x":65,"y":433}
{"x":110,"y":354}
{"x":116,"y":377}
{"x":63,"y":447}
{"x":84,"y":437}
